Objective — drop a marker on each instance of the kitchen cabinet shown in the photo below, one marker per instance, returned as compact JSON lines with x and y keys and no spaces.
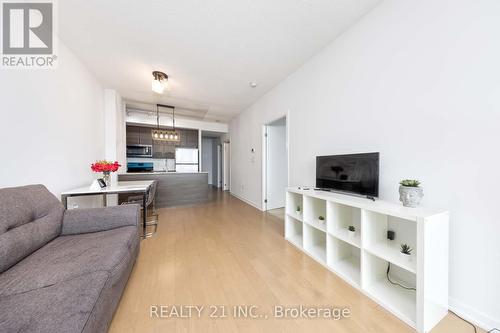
{"x":133,"y":135}
{"x":145,"y":136}
{"x":192,"y":139}
{"x":137,"y":135}
{"x":189,"y":139}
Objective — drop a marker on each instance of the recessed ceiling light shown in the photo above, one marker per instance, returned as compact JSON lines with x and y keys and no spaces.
{"x":253,"y":84}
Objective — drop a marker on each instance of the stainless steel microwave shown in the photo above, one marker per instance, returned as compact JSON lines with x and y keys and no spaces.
{"x":139,"y":151}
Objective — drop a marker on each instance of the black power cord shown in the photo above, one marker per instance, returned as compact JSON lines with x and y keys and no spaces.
{"x":409,"y":288}
{"x":395,"y":283}
{"x":468,"y":322}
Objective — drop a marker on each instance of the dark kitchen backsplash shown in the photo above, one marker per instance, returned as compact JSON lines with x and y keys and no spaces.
{"x":161,"y":149}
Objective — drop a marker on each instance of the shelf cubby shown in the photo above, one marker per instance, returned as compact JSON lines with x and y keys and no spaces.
{"x":315,"y":242}
{"x":339,"y":218}
{"x":313,"y":209}
{"x":294,"y":200}
{"x":376,"y":226}
{"x":400,"y":301}
{"x":344,"y":259}
{"x":294,"y":231}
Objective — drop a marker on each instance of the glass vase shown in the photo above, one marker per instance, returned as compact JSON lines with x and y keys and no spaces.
{"x":106,"y":176}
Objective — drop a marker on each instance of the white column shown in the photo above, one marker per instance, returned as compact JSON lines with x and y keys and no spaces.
{"x":114,"y":134}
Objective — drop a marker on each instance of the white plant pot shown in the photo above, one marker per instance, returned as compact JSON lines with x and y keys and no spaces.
{"x":410,"y":196}
{"x":406,"y":257}
{"x":322,"y":222}
{"x":352,"y":234}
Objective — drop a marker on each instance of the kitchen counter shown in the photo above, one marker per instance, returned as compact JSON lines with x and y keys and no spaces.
{"x":174,"y":188}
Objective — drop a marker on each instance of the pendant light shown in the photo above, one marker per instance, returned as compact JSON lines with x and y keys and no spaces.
{"x":165,"y":135}
{"x":160,"y":82}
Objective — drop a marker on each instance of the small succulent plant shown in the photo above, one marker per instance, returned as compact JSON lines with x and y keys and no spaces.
{"x":321,"y":218}
{"x":410,"y":183}
{"x":352,"y":228}
{"x":406,"y":249}
{"x":298,"y":208}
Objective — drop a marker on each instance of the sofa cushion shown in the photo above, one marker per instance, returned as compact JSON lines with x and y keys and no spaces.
{"x":70,"y":256}
{"x":61,"y":308}
{"x":105,"y":306}
{"x":30,"y":217}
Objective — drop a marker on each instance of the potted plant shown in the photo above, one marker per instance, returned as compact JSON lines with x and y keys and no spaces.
{"x":406,"y":251}
{"x":352,"y":231}
{"x":106,"y":167}
{"x":297,"y":210}
{"x":321,"y":219}
{"x":410,"y":192}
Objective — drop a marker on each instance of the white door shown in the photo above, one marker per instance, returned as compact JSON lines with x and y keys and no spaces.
{"x":276,"y":166}
{"x":226,"y":166}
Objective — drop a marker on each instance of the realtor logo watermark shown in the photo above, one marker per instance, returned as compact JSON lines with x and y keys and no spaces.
{"x":28,"y":34}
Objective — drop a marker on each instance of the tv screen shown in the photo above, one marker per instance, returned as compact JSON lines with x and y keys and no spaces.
{"x":353,"y":173}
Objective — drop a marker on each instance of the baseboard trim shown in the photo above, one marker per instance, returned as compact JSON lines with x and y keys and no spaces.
{"x":480,"y":319}
{"x":253,"y":204}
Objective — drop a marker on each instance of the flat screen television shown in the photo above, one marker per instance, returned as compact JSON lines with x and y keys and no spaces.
{"x":353,"y":173}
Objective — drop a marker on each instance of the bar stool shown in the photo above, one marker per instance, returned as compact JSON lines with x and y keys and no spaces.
{"x":152,"y":218}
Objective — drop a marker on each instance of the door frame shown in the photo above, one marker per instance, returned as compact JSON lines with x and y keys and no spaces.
{"x":226,"y":164}
{"x":219,"y":165}
{"x":285,"y":115}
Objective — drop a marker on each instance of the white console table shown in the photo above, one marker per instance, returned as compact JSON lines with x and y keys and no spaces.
{"x":362,"y":259}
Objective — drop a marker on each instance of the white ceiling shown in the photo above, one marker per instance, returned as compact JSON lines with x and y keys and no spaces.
{"x":211,"y":50}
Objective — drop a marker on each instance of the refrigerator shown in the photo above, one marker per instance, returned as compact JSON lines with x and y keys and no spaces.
{"x":186,"y":160}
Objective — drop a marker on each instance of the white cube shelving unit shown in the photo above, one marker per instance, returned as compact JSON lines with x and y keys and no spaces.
{"x":362,"y":259}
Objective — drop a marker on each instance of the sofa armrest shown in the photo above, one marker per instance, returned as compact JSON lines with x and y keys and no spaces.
{"x":80,"y":221}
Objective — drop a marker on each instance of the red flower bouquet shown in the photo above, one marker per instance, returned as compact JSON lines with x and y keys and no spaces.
{"x":106,"y":167}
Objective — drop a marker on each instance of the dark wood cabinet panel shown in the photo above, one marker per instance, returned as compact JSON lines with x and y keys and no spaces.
{"x":192,"y":141}
{"x":146,"y":138}
{"x":133,"y":135}
{"x":183,"y":138}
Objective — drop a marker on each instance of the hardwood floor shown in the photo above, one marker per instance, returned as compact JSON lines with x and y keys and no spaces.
{"x":228,"y":253}
{"x":279,"y":213}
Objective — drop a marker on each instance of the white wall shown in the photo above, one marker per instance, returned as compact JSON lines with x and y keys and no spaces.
{"x":418,"y":81}
{"x":51,"y":125}
{"x":277,"y":166}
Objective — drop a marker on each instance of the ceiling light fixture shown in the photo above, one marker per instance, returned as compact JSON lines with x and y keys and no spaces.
{"x":160,"y":82}
{"x":253,"y":84}
{"x":165,"y":135}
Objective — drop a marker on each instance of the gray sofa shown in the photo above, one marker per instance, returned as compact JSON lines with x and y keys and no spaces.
{"x":62,"y":271}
